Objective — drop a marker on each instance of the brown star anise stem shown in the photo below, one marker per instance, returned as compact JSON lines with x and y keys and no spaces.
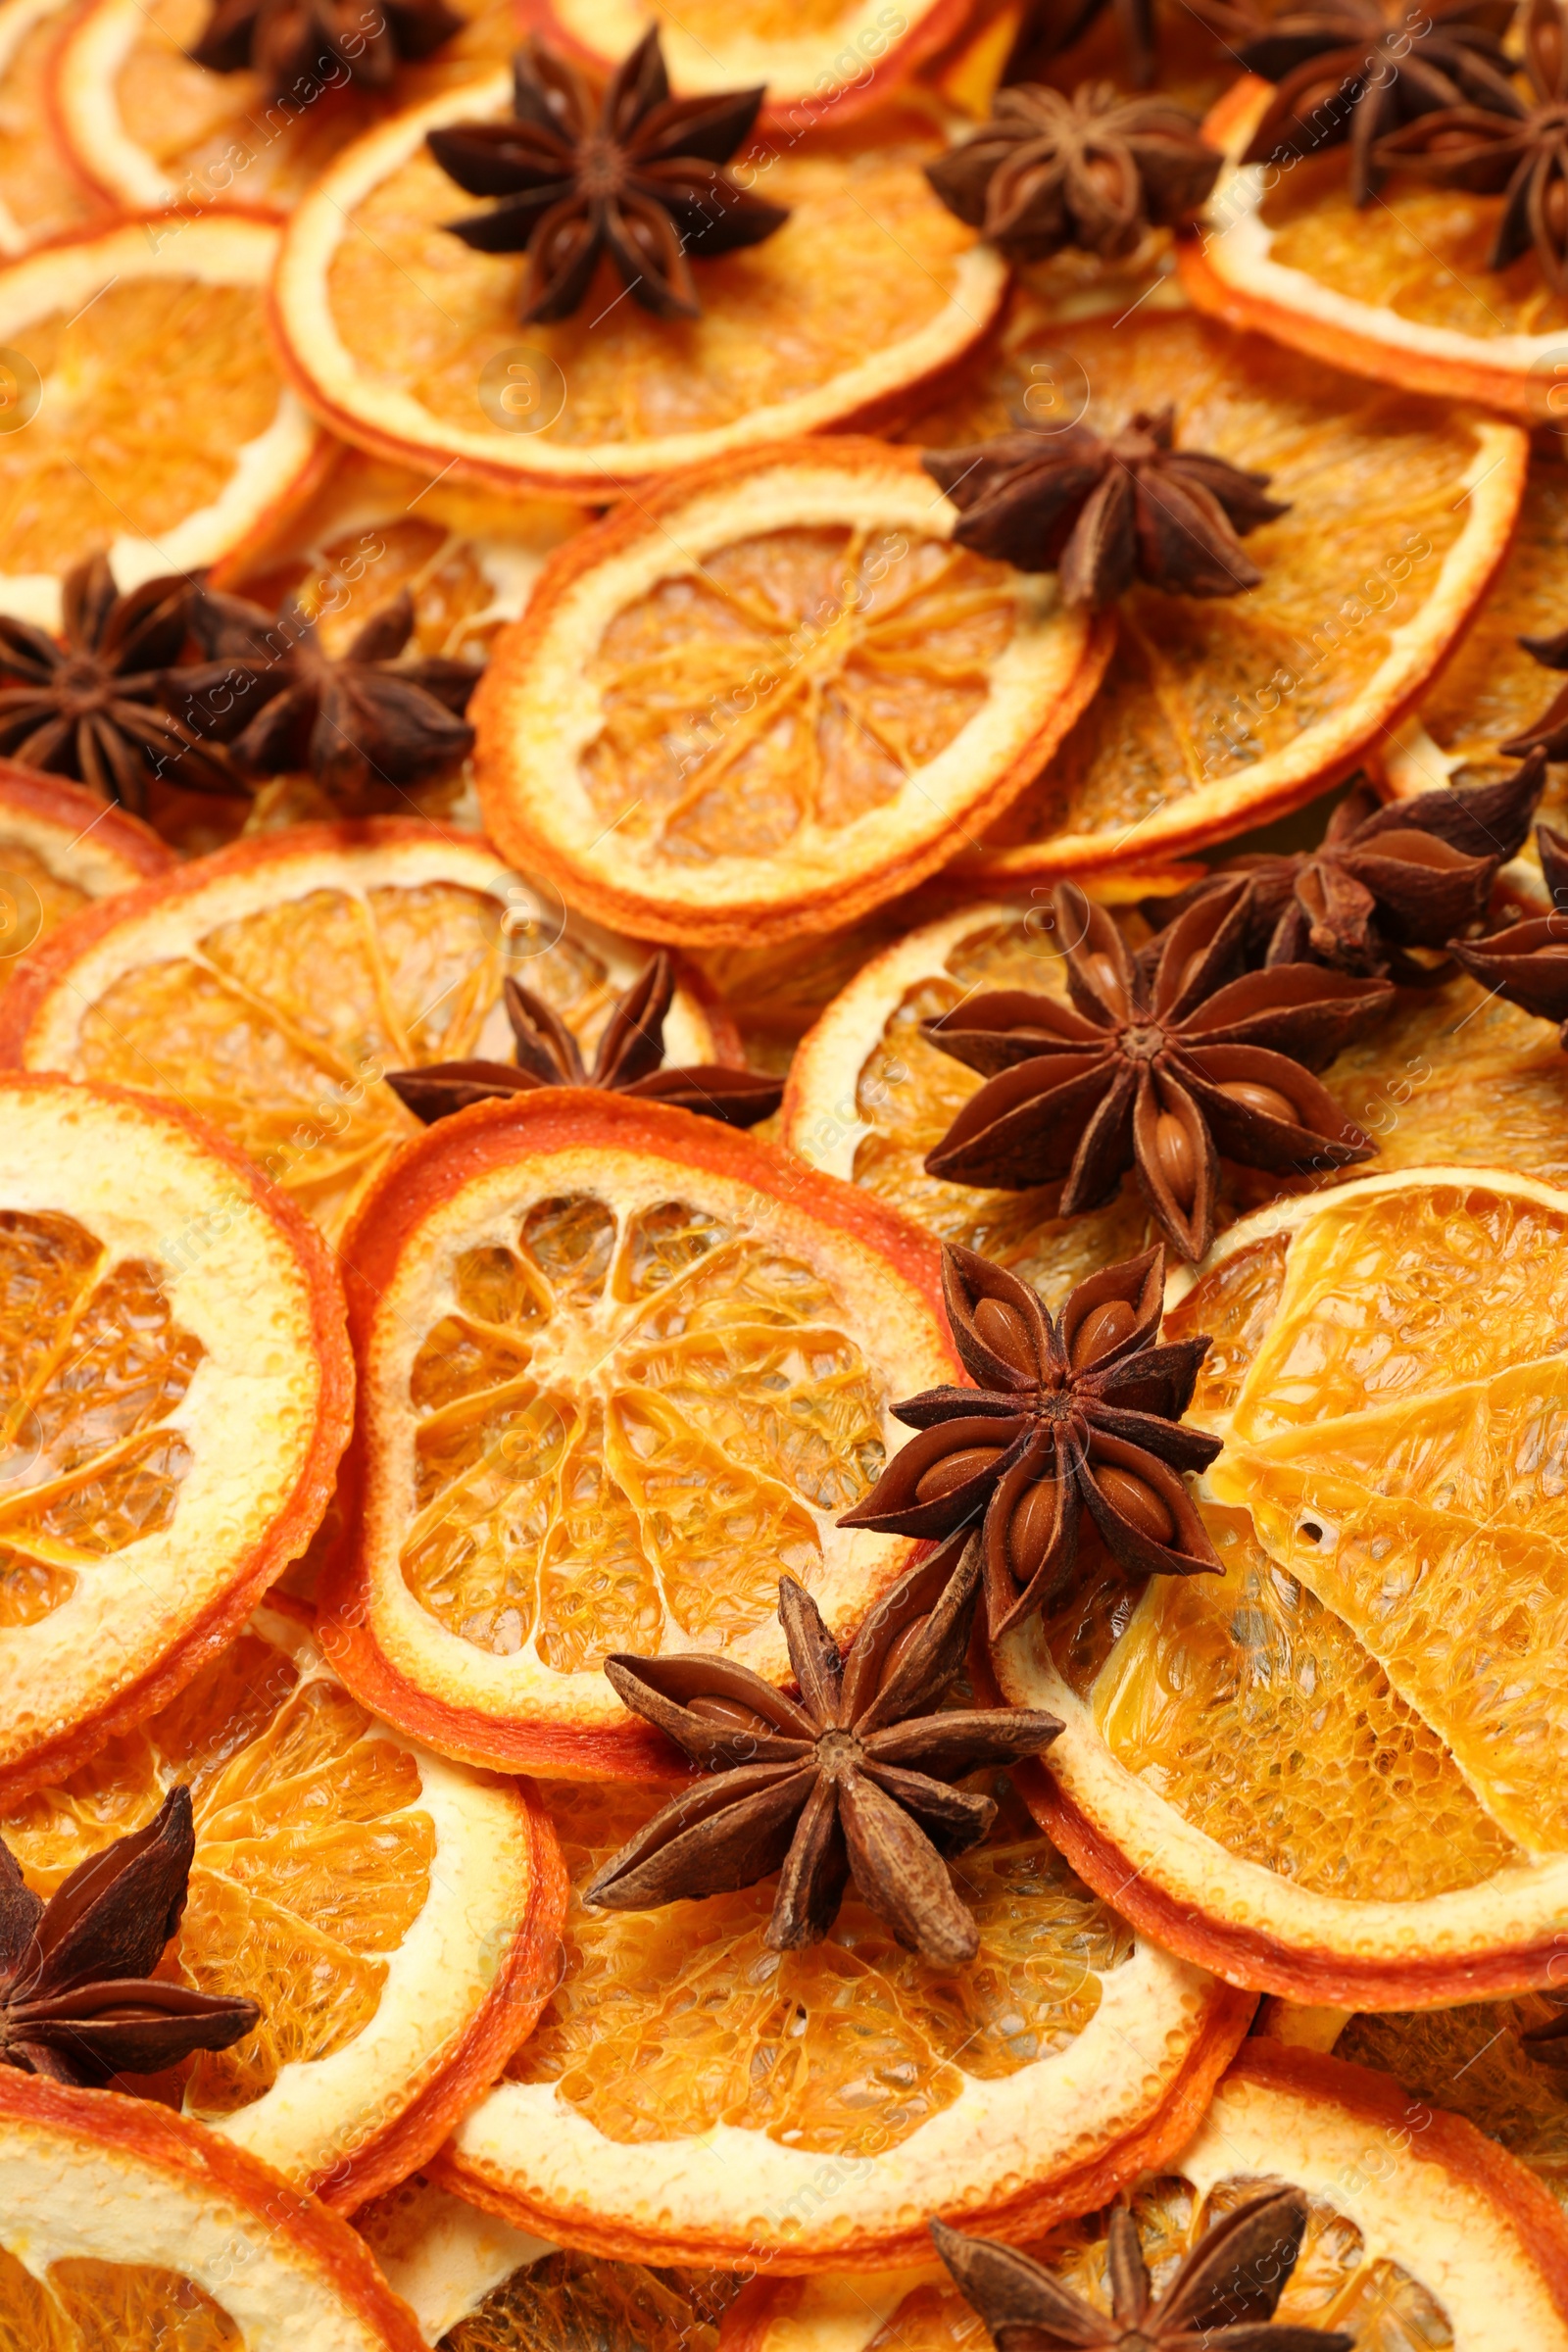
{"x":638,"y":177}
{"x":853,"y":1781}
{"x":1074,"y":1412}
{"x":295,"y":46}
{"x":1103,"y":513}
{"x":1500,"y":146}
{"x":1222,"y":2298}
{"x":1358,"y":71}
{"x":1095,"y":171}
{"x":78,"y":1998}
{"x":96,"y":707}
{"x":281,"y":703}
{"x":1384,"y":879}
{"x":628,"y":1061}
{"x":1527,"y":964}
{"x":1159,"y":1064}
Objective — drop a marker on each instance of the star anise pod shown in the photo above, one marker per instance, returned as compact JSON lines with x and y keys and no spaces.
{"x":1358,"y":71}
{"x":1048,"y":27}
{"x":1159,"y":1064}
{"x":1095,"y":171}
{"x":1222,"y":2298}
{"x":1527,"y":964}
{"x":1384,"y":879}
{"x":280,"y":701}
{"x":628,"y":1061}
{"x":94,"y":708}
{"x":1102,"y":513}
{"x":1547,"y":734}
{"x":639,"y":178}
{"x":1516,"y":151}
{"x":1075,"y":1412}
{"x":78,"y":1998}
{"x":291,"y":43}
{"x":853,"y":1781}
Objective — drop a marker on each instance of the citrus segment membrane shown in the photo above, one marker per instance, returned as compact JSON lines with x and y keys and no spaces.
{"x":40,"y":194}
{"x":1214,"y":711}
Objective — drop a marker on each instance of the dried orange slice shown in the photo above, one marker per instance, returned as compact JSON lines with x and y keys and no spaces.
{"x":1216,"y":714}
{"x":769,"y":696}
{"x":690,"y":2096}
{"x":60,"y":846}
{"x":621,"y":1366}
{"x":407,"y":342}
{"x":271,"y":986}
{"x":161,"y":430}
{"x":1477,"y":2060}
{"x":122,"y":2225}
{"x":477,"y":2285}
{"x":150,"y":126}
{"x":822,"y":59}
{"x":158,"y":1300}
{"x":1398,"y":290}
{"x":1332,"y":1770}
{"x":394,"y":1916}
{"x":41,"y":193}
{"x":1420,"y":2233}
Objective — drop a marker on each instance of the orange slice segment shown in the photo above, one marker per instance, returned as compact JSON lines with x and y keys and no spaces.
{"x":1336,"y":1764}
{"x":152,"y":128}
{"x":690,"y":2096}
{"x":1441,"y":2241}
{"x":160,"y":432}
{"x":1398,"y":290}
{"x":157,"y":1298}
{"x":1216,"y":714}
{"x":409,"y":342}
{"x":122,"y":2224}
{"x":622,"y":1367}
{"x":61,"y":848}
{"x":272,"y":986}
{"x":41,"y":193}
{"x":770,"y":696}
{"x":393,"y":1915}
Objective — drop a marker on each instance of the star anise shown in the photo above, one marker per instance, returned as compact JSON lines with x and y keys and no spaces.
{"x":1222,"y":2298}
{"x":628,"y":1061}
{"x":94,"y":708}
{"x":1509,"y":149}
{"x":1527,"y":964}
{"x":78,"y":1998}
{"x":1095,"y":171}
{"x":1072,"y":1413}
{"x":291,"y":43}
{"x":1358,"y":71}
{"x":1383,"y":879}
{"x":1547,"y":734}
{"x":1158,"y":1063}
{"x":852,"y":1781}
{"x":638,"y":178}
{"x":281,"y":702}
{"x":1048,"y":27}
{"x":1100,"y":513}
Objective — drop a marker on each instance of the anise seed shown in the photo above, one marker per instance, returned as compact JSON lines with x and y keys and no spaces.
{"x":955,"y":1470}
{"x":1005,"y":1333}
{"x":1105,"y":1327}
{"x":731,"y":1715}
{"x":1266,"y":1100}
{"x":1030,"y":1527}
{"x":898,"y":1650}
{"x":1137,"y":1502}
{"x":1178,"y":1161}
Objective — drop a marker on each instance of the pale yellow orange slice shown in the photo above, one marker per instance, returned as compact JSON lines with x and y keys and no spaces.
{"x":41,"y":192}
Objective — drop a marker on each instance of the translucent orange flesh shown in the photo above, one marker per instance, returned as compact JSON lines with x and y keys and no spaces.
{"x":85,"y":2306}
{"x":1419,"y":251}
{"x":629,"y":1425}
{"x":33,"y":901}
{"x":669,"y":2022}
{"x":313,"y":1855}
{"x":1336,"y":2283}
{"x":1203,"y":689}
{"x":569,"y":2299}
{"x":39,"y":191}
{"x":724,"y":738}
{"x":718,"y":21}
{"x":1475,"y":2061}
{"x":222,"y":136}
{"x":278,"y":1027}
{"x":92,"y":1366}
{"x":417,"y":309}
{"x":148,"y":391}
